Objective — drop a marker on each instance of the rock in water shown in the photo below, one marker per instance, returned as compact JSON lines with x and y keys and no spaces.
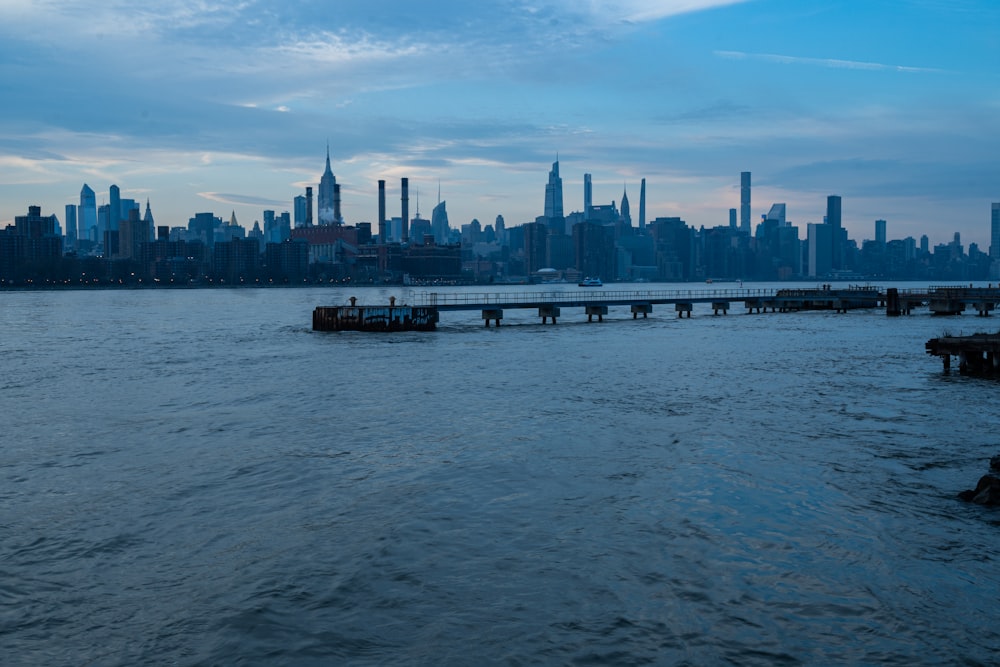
{"x":987,"y":491}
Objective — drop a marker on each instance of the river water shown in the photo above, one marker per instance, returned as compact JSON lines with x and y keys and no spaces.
{"x":195,"y":477}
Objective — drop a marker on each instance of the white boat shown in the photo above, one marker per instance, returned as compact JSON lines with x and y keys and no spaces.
{"x":590,"y":282}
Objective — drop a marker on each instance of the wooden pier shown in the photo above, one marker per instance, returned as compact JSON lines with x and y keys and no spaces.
{"x":424,"y":313}
{"x":978,"y":354}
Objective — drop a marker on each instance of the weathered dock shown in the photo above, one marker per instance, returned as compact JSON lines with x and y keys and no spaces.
{"x":978,"y":354}
{"x":374,"y":318}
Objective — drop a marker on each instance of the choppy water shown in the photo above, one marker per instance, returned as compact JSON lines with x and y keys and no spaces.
{"x":195,"y":477}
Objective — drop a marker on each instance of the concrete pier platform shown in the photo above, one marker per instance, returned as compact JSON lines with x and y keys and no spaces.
{"x":978,"y":354}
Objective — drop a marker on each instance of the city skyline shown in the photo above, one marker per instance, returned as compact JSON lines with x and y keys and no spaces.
{"x":900,"y":123}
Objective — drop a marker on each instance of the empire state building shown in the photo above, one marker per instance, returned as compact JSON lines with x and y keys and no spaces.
{"x":328,"y":200}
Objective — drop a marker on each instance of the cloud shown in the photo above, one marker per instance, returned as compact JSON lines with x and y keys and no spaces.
{"x":333,"y":49}
{"x":833,"y":63}
{"x":242,"y":200}
{"x":636,"y":11}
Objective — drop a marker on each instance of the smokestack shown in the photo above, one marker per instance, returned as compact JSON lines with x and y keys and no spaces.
{"x":336,"y":204}
{"x":309,"y":207}
{"x":382,"y":237}
{"x":642,"y":205}
{"x":406,"y":209}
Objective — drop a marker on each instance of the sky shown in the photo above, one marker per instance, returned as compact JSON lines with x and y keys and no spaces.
{"x":204,"y":105}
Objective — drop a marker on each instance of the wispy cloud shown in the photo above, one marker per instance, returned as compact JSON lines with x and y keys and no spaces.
{"x":333,"y":49}
{"x":241,"y":200}
{"x":653,"y":10}
{"x":833,"y":63}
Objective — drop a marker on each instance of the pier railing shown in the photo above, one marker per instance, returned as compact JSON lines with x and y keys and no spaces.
{"x":473,"y":300}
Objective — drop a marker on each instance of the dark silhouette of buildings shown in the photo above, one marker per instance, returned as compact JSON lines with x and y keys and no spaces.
{"x":114,"y":245}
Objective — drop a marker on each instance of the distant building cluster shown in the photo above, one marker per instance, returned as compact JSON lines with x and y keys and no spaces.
{"x":116,"y":243}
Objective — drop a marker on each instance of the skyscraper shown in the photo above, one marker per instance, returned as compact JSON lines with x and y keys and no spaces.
{"x":115,"y":207}
{"x":309,"y":206}
{"x":404,"y":200}
{"x":642,"y":205}
{"x":995,"y":231}
{"x":626,"y":211}
{"x":833,"y":207}
{"x":70,"y":226}
{"x":383,"y":233}
{"x":326,"y":195}
{"x":87,"y":215}
{"x":820,"y":242}
{"x":132,"y":233}
{"x":777,"y":212}
{"x":299,"y":208}
{"x":588,"y":196}
{"x":745,"y":202}
{"x":147,"y":219}
{"x":880,"y":232}
{"x":554,"y":194}
{"x":732,"y":218}
{"x":439,"y":221}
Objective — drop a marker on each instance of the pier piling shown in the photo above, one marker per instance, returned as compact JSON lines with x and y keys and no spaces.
{"x":548,"y":311}
{"x":495,"y":314}
{"x":644,"y":308}
{"x":600,"y":311}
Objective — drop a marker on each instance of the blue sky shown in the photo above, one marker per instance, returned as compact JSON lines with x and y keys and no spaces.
{"x":219,"y":106}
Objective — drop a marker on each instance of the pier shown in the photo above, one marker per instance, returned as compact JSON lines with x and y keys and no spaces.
{"x":424,"y":313}
{"x":978,"y":354}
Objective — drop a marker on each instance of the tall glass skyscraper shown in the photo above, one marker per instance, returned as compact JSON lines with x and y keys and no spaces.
{"x":87,"y":214}
{"x":439,"y":222}
{"x":554,"y":194}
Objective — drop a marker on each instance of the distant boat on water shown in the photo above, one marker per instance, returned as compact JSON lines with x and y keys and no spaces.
{"x":590,"y":282}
